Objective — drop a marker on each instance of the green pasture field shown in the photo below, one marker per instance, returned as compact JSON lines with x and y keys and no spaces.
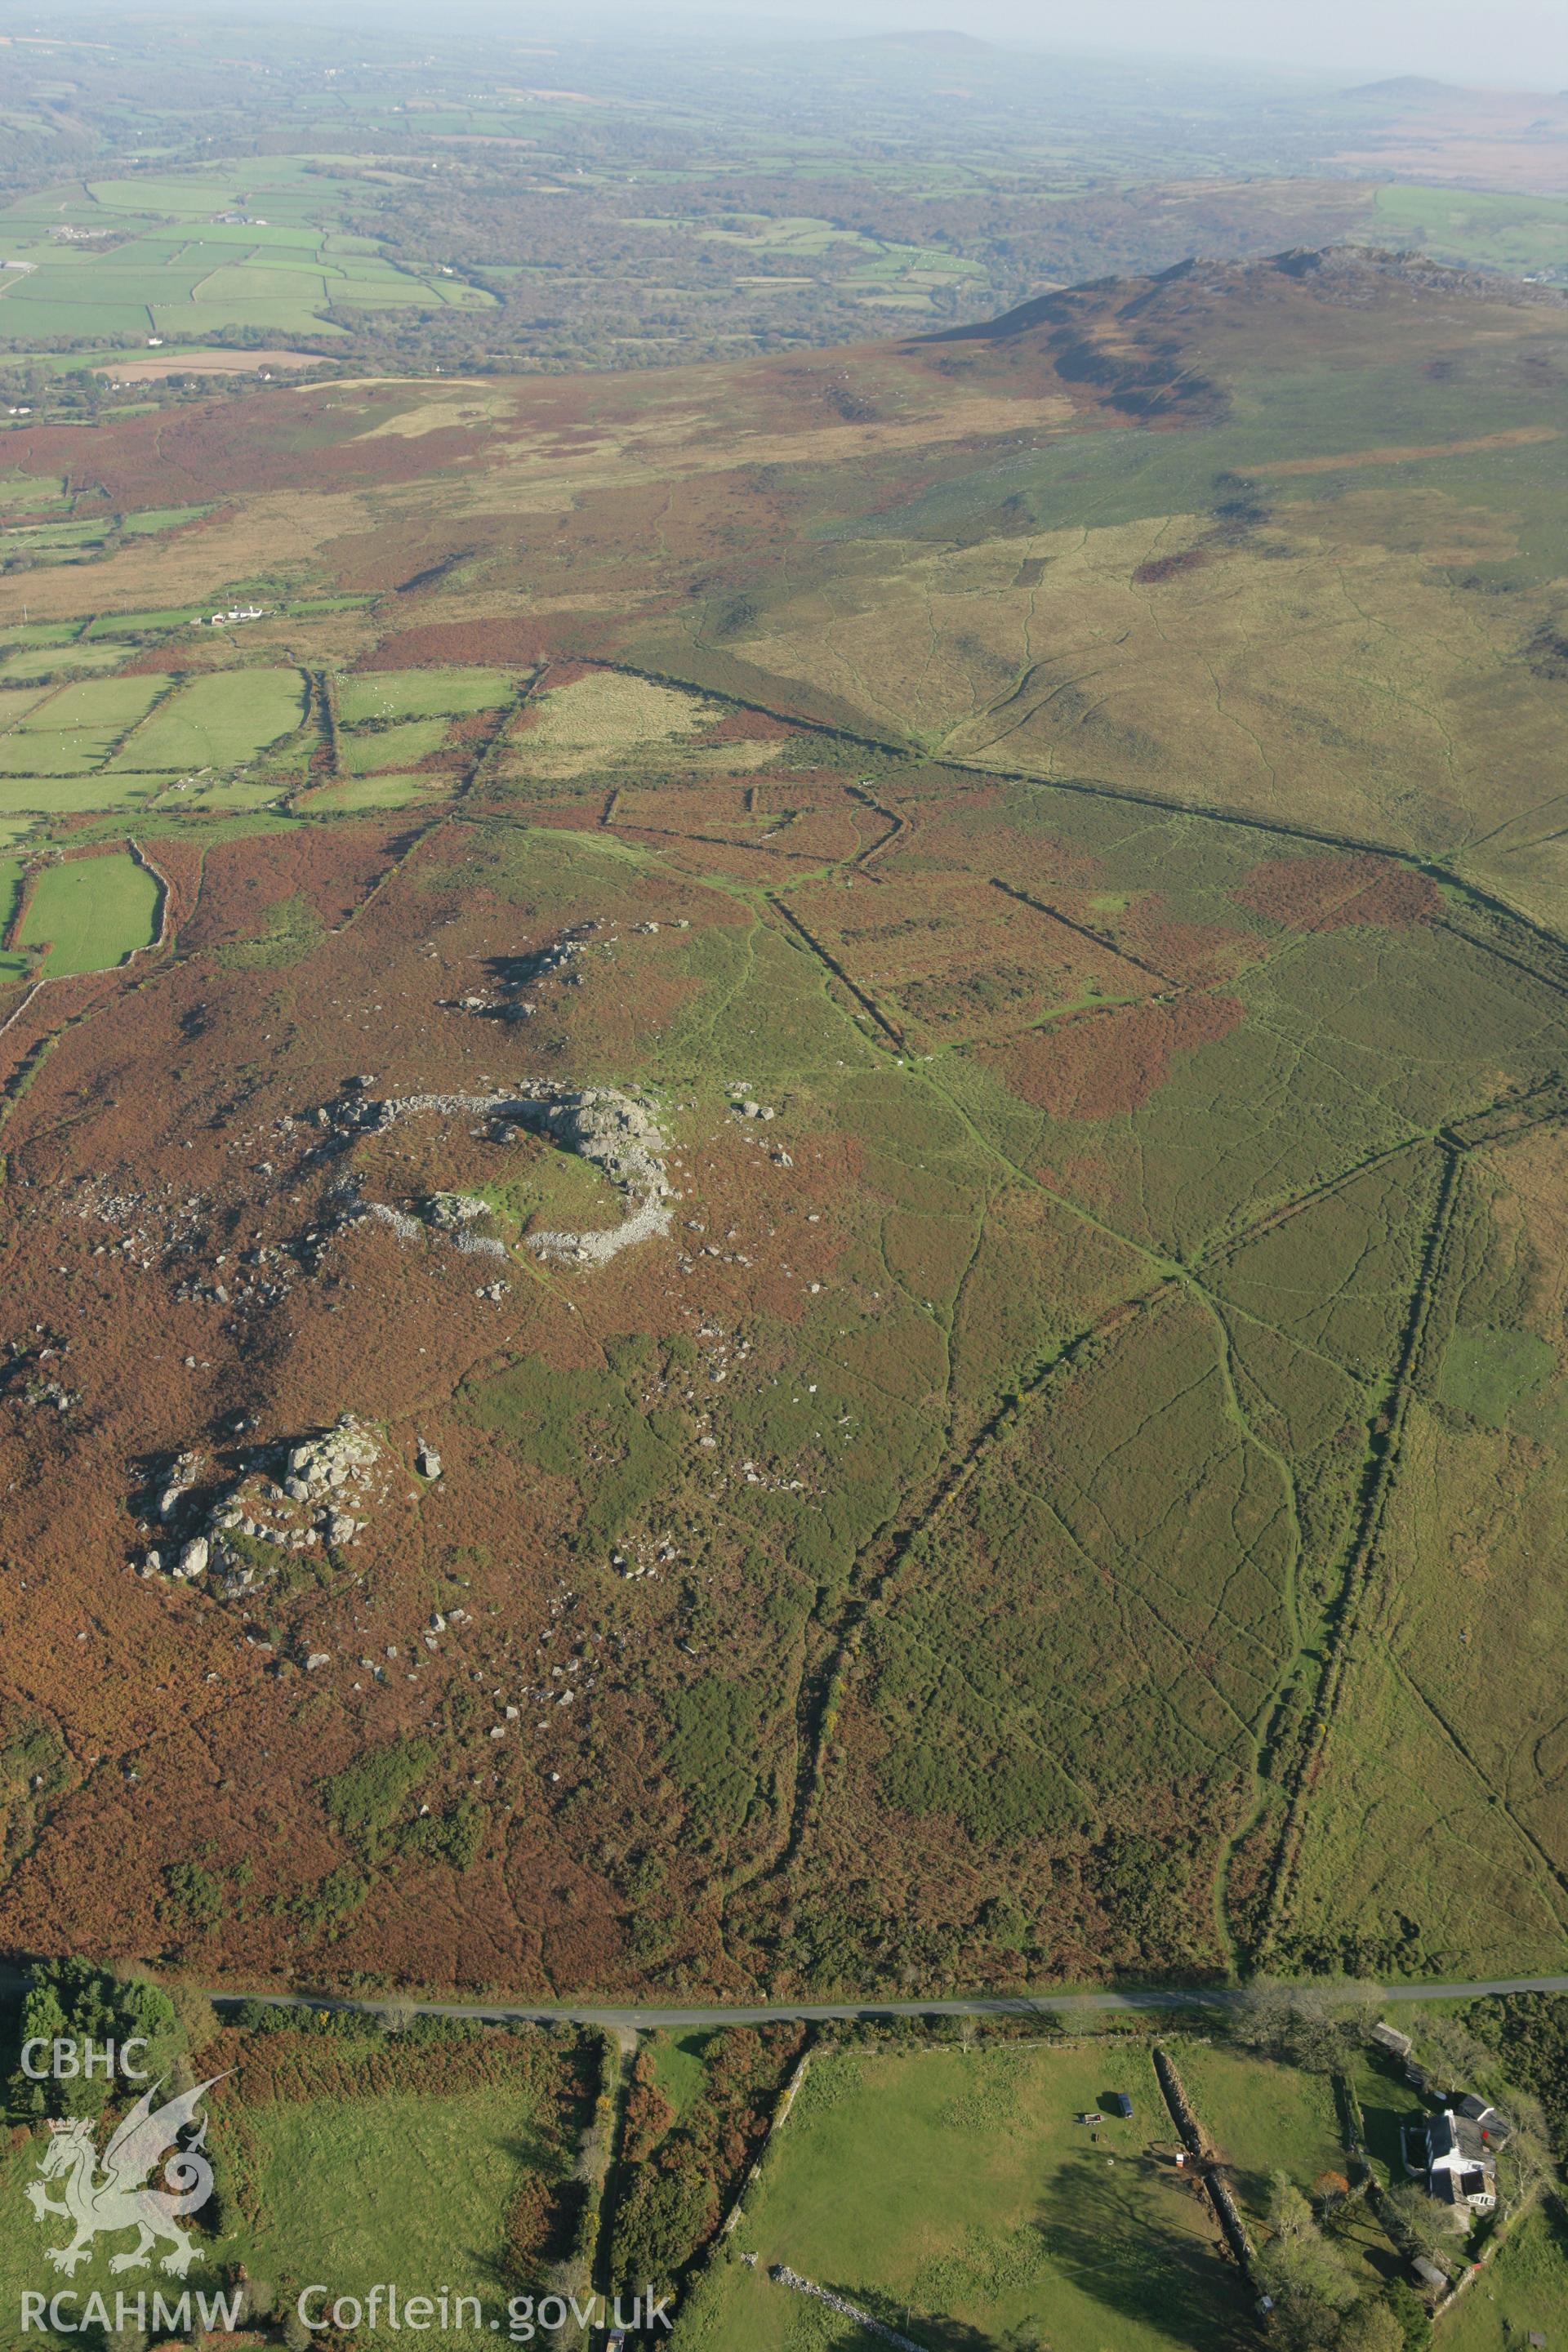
{"x":91,"y":911}
{"x":221,"y":720}
{"x":29,"y":538}
{"x":77,"y":728}
{"x":405,"y":2186}
{"x":1262,"y":2117}
{"x":234,"y":795}
{"x":398,"y":747}
{"x":42,"y":632}
{"x":1520,"y":2296}
{"x":1476,"y":226}
{"x":133,"y":624}
{"x":281,"y":268}
{"x":24,"y":493}
{"x":24,"y":2242}
{"x":419,"y":693}
{"x":51,"y":661}
{"x":352,"y":793}
{"x":954,"y":2196}
{"x":156,"y":519}
{"x":78,"y":796}
{"x":17,"y":702}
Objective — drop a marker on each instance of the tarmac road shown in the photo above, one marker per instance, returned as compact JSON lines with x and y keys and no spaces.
{"x":814,"y":2012}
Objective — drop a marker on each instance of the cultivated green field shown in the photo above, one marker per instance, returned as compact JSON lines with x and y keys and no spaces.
{"x":368,"y":792}
{"x":192,"y":252}
{"x":24,"y":2267}
{"x":91,"y":912}
{"x":953,"y":2195}
{"x":221,"y":720}
{"x":419,"y":693}
{"x":401,"y":2187}
{"x":341,"y":2161}
{"x":78,"y":728}
{"x":374,"y":749}
{"x":1522,"y":2295}
{"x":52,"y":661}
{"x":87,"y":795}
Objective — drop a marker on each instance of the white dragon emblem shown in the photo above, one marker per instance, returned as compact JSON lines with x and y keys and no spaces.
{"x":121,"y":2199}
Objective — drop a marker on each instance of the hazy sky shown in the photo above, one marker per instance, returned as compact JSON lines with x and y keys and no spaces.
{"x":1523,"y":43}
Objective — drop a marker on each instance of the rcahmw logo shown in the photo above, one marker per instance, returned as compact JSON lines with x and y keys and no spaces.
{"x":526,"y":2319}
{"x":101,"y":2197}
{"x":66,"y":2314}
{"x":62,"y":2061}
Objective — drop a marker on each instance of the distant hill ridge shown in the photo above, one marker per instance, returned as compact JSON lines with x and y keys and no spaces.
{"x":1351,"y":275}
{"x":1407,"y":86}
{"x":1141,"y":345}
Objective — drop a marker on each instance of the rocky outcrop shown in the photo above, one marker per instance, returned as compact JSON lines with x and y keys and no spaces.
{"x":233,"y":1533}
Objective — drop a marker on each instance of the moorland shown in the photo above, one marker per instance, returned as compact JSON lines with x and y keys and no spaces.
{"x":784,"y":1183}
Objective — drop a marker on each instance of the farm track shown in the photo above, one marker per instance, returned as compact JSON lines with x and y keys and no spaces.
{"x":818,"y":1699}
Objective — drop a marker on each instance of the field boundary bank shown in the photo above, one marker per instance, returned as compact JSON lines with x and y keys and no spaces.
{"x":1100,"y":940}
{"x":781,"y":2275}
{"x":889,"y":1029}
{"x":1184,"y":2115}
{"x":1355,"y":1584}
{"x":1283,"y":827}
{"x":586,"y":2268}
{"x":779,"y":2116}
